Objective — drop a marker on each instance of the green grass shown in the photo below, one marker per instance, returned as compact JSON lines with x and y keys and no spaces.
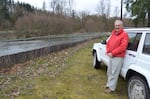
{"x":76,"y":79}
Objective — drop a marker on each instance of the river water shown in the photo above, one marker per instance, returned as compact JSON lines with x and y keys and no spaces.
{"x":9,"y":47}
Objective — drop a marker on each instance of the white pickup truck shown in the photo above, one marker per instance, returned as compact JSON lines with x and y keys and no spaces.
{"x":136,"y":66}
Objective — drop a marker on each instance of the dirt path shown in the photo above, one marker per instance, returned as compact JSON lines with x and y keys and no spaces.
{"x":69,"y":76}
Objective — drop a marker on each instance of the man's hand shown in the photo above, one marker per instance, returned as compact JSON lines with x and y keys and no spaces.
{"x":110,"y":55}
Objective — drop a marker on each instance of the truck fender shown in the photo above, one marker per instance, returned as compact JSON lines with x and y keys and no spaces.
{"x":139,"y":70}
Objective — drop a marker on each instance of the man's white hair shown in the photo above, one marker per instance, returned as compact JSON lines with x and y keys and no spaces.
{"x":119,"y":22}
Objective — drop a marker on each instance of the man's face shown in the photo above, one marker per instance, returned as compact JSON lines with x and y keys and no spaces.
{"x":118,"y":27}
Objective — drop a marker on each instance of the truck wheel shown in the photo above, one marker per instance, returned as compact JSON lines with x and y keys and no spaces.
{"x":96,"y":63}
{"x":138,"y":88}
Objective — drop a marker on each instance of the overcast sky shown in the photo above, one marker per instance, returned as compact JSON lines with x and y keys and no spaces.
{"x":80,"y":5}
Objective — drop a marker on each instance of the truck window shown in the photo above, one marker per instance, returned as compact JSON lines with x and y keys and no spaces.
{"x":146,"y":48}
{"x":134,"y":39}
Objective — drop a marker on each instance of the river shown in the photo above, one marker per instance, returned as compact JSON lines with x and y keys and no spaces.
{"x":9,"y":47}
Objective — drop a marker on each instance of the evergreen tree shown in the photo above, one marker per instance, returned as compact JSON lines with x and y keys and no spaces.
{"x":4,"y":11}
{"x":140,"y":9}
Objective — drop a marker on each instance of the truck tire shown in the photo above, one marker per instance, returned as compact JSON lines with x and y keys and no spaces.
{"x":138,"y":88}
{"x":96,"y":63}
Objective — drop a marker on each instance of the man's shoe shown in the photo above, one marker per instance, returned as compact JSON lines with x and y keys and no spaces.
{"x":108,"y":90}
{"x":105,"y":87}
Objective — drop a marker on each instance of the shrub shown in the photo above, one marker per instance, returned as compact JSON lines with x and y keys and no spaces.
{"x":40,"y":25}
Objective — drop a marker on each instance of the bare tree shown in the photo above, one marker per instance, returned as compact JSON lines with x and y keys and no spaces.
{"x":108,"y":8}
{"x":70,"y":3}
{"x":62,"y":7}
{"x":103,"y":8}
{"x":116,"y":12}
{"x":44,"y":6}
{"x":83,"y":15}
{"x":58,"y":6}
{"x":53,"y":4}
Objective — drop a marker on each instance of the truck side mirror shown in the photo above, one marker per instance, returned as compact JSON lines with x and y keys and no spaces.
{"x":103,"y":42}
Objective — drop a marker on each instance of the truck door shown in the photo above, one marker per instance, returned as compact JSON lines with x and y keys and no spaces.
{"x":132,"y":51}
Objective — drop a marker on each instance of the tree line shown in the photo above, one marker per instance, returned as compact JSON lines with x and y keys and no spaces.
{"x":61,"y":17}
{"x":11,"y":11}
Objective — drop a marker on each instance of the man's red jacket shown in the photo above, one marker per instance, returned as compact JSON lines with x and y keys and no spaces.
{"x":117,"y":43}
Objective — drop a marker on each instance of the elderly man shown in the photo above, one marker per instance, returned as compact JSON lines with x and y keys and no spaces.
{"x":115,"y":49}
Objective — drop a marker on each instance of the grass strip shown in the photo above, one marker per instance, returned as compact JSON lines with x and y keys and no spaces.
{"x":67,"y":74}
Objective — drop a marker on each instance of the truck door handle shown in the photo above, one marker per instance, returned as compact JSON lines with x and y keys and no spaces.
{"x":132,"y":55}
